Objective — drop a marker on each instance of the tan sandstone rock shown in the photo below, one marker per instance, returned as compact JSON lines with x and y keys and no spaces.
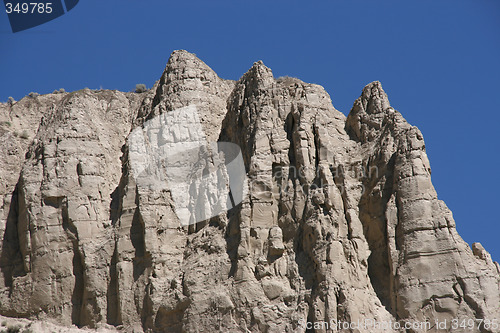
{"x":341,"y":222}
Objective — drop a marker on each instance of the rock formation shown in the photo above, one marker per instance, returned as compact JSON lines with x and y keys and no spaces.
{"x":341,"y":222}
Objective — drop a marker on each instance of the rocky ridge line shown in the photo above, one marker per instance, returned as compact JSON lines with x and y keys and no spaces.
{"x":342,"y":221}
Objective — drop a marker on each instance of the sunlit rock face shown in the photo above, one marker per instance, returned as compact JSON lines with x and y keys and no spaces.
{"x":112,"y":216}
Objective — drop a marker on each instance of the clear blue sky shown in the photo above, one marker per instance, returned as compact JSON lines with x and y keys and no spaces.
{"x":439,"y":61}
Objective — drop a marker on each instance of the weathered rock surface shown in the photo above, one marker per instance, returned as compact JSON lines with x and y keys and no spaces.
{"x":341,"y":221}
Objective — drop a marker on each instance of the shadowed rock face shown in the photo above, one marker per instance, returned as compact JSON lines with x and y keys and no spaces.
{"x":341,"y":221}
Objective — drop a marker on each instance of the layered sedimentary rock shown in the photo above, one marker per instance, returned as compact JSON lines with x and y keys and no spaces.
{"x":341,"y":221}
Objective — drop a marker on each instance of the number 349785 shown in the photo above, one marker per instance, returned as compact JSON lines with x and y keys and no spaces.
{"x":29,"y":7}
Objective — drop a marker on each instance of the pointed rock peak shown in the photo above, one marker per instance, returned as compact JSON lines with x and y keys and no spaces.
{"x":260,"y":69}
{"x":374,"y":99}
{"x":180,"y":56}
{"x":368,"y":112}
{"x":259,"y":75}
{"x":183,"y":64}
{"x":258,"y":64}
{"x":186,"y":70}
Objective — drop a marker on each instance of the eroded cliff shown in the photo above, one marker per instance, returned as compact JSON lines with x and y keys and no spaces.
{"x":341,"y":221}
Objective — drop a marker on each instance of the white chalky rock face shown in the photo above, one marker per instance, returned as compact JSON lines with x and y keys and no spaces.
{"x":171,"y":152}
{"x":211,"y":205}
